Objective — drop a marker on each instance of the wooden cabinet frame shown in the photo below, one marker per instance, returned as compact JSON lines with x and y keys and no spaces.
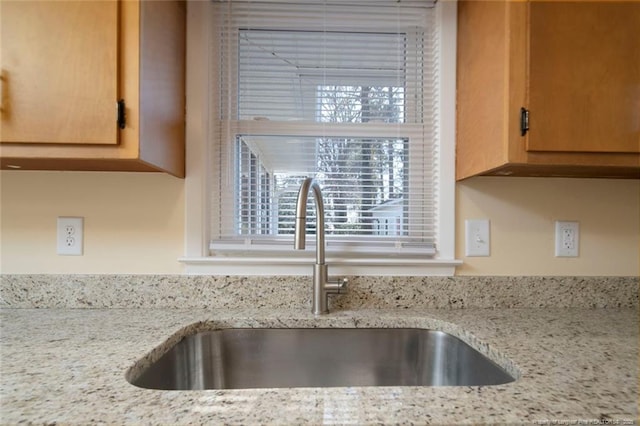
{"x":492,"y":87}
{"x":152,"y":83}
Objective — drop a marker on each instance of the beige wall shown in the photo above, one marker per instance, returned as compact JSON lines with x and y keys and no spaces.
{"x":522,"y":212}
{"x":134,"y":223}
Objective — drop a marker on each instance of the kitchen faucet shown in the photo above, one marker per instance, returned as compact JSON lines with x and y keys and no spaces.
{"x":322,"y":286}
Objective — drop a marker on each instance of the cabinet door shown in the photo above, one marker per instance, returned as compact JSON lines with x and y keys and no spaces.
{"x":59,"y":64}
{"x":584,"y":82}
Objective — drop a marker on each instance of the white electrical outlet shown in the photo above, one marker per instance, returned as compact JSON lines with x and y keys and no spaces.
{"x":477,"y":237}
{"x":567,"y":239}
{"x":70,"y":236}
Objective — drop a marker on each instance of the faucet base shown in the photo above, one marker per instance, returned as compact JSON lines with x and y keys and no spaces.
{"x":322,"y":287}
{"x":320,"y":297}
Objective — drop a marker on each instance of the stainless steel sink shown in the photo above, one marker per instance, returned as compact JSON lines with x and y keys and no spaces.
{"x":320,"y":357}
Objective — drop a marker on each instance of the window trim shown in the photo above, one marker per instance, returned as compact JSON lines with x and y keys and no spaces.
{"x":201,"y":58}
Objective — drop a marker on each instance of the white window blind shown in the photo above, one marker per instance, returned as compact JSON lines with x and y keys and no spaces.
{"x":345,"y":92}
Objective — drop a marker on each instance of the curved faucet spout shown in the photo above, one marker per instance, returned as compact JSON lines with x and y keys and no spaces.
{"x":301,"y":218}
{"x":321,"y":284}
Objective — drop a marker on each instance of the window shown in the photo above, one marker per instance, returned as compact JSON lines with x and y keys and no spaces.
{"x":362,"y":178}
{"x":349,"y":92}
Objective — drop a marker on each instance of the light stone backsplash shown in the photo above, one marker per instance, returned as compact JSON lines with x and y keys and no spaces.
{"x":277,"y":292}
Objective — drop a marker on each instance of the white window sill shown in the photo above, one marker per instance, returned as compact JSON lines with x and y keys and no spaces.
{"x":302,"y":265}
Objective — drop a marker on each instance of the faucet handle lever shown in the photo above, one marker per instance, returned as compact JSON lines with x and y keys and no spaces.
{"x":337,"y":286}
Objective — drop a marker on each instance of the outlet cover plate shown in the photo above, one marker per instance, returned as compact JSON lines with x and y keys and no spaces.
{"x":477,"y":237}
{"x":70,"y":236}
{"x":567,"y":238}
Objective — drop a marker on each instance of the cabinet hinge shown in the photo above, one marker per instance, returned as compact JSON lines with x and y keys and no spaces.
{"x":524,"y":121}
{"x":121,"y":117}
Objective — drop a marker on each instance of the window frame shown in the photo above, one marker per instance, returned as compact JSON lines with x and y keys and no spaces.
{"x":201,"y":69}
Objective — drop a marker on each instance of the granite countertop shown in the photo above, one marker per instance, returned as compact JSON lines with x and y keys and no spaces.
{"x":68,"y":366}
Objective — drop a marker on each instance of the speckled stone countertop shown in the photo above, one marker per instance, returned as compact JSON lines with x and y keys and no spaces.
{"x":365,"y":292}
{"x":68,"y":366}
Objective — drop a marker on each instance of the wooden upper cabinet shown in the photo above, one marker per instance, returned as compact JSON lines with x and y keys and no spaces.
{"x":59,"y":99}
{"x":584,"y":76}
{"x":574,"y":66}
{"x":59,"y":65}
